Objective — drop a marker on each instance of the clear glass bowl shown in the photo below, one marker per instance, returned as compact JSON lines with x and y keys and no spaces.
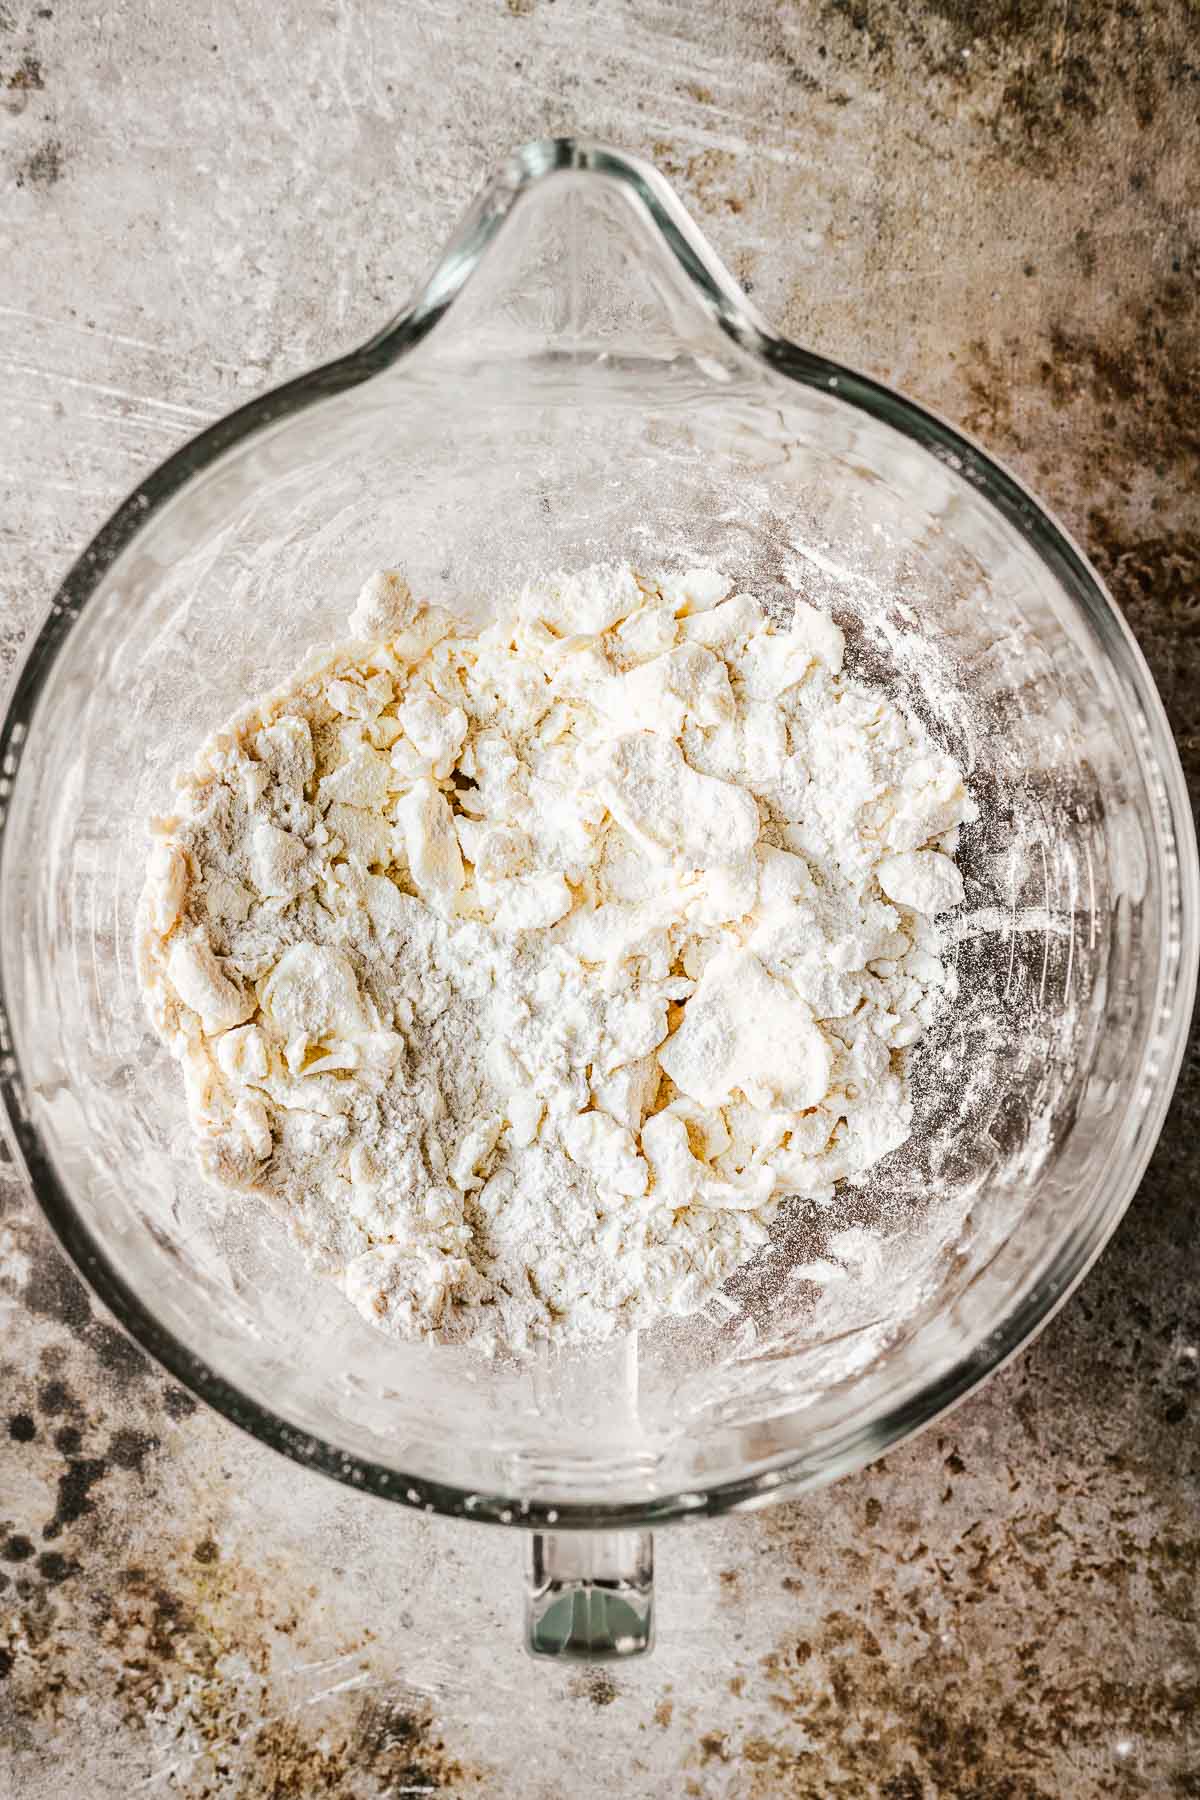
{"x":579,"y":378}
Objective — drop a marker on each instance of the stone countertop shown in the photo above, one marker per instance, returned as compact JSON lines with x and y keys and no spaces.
{"x":993,"y":208}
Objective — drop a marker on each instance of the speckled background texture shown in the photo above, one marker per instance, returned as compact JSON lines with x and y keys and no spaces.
{"x":993,"y":207}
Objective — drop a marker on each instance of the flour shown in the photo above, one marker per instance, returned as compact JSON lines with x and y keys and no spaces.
{"x":524,"y":973}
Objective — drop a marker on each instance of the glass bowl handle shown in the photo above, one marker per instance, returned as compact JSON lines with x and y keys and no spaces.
{"x":589,"y":1595}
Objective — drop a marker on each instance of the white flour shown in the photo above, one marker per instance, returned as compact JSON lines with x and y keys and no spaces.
{"x":524,"y":973}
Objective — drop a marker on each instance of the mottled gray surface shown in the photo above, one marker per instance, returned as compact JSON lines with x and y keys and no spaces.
{"x":988,"y":206}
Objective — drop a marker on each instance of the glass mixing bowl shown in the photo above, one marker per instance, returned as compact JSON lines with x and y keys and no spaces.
{"x":578,"y":379}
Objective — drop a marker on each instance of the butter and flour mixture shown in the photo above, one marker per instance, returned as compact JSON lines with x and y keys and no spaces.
{"x":526,"y":972}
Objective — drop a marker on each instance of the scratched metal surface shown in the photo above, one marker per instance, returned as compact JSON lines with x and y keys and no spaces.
{"x":992,"y":207}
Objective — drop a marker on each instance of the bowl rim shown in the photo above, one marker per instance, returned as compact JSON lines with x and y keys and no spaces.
{"x":719,"y":295}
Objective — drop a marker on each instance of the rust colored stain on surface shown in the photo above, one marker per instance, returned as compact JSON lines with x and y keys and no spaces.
{"x":43,"y":168}
{"x":195,"y":1659}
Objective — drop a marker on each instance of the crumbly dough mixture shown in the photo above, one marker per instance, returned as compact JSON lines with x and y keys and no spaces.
{"x":524,"y":972}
